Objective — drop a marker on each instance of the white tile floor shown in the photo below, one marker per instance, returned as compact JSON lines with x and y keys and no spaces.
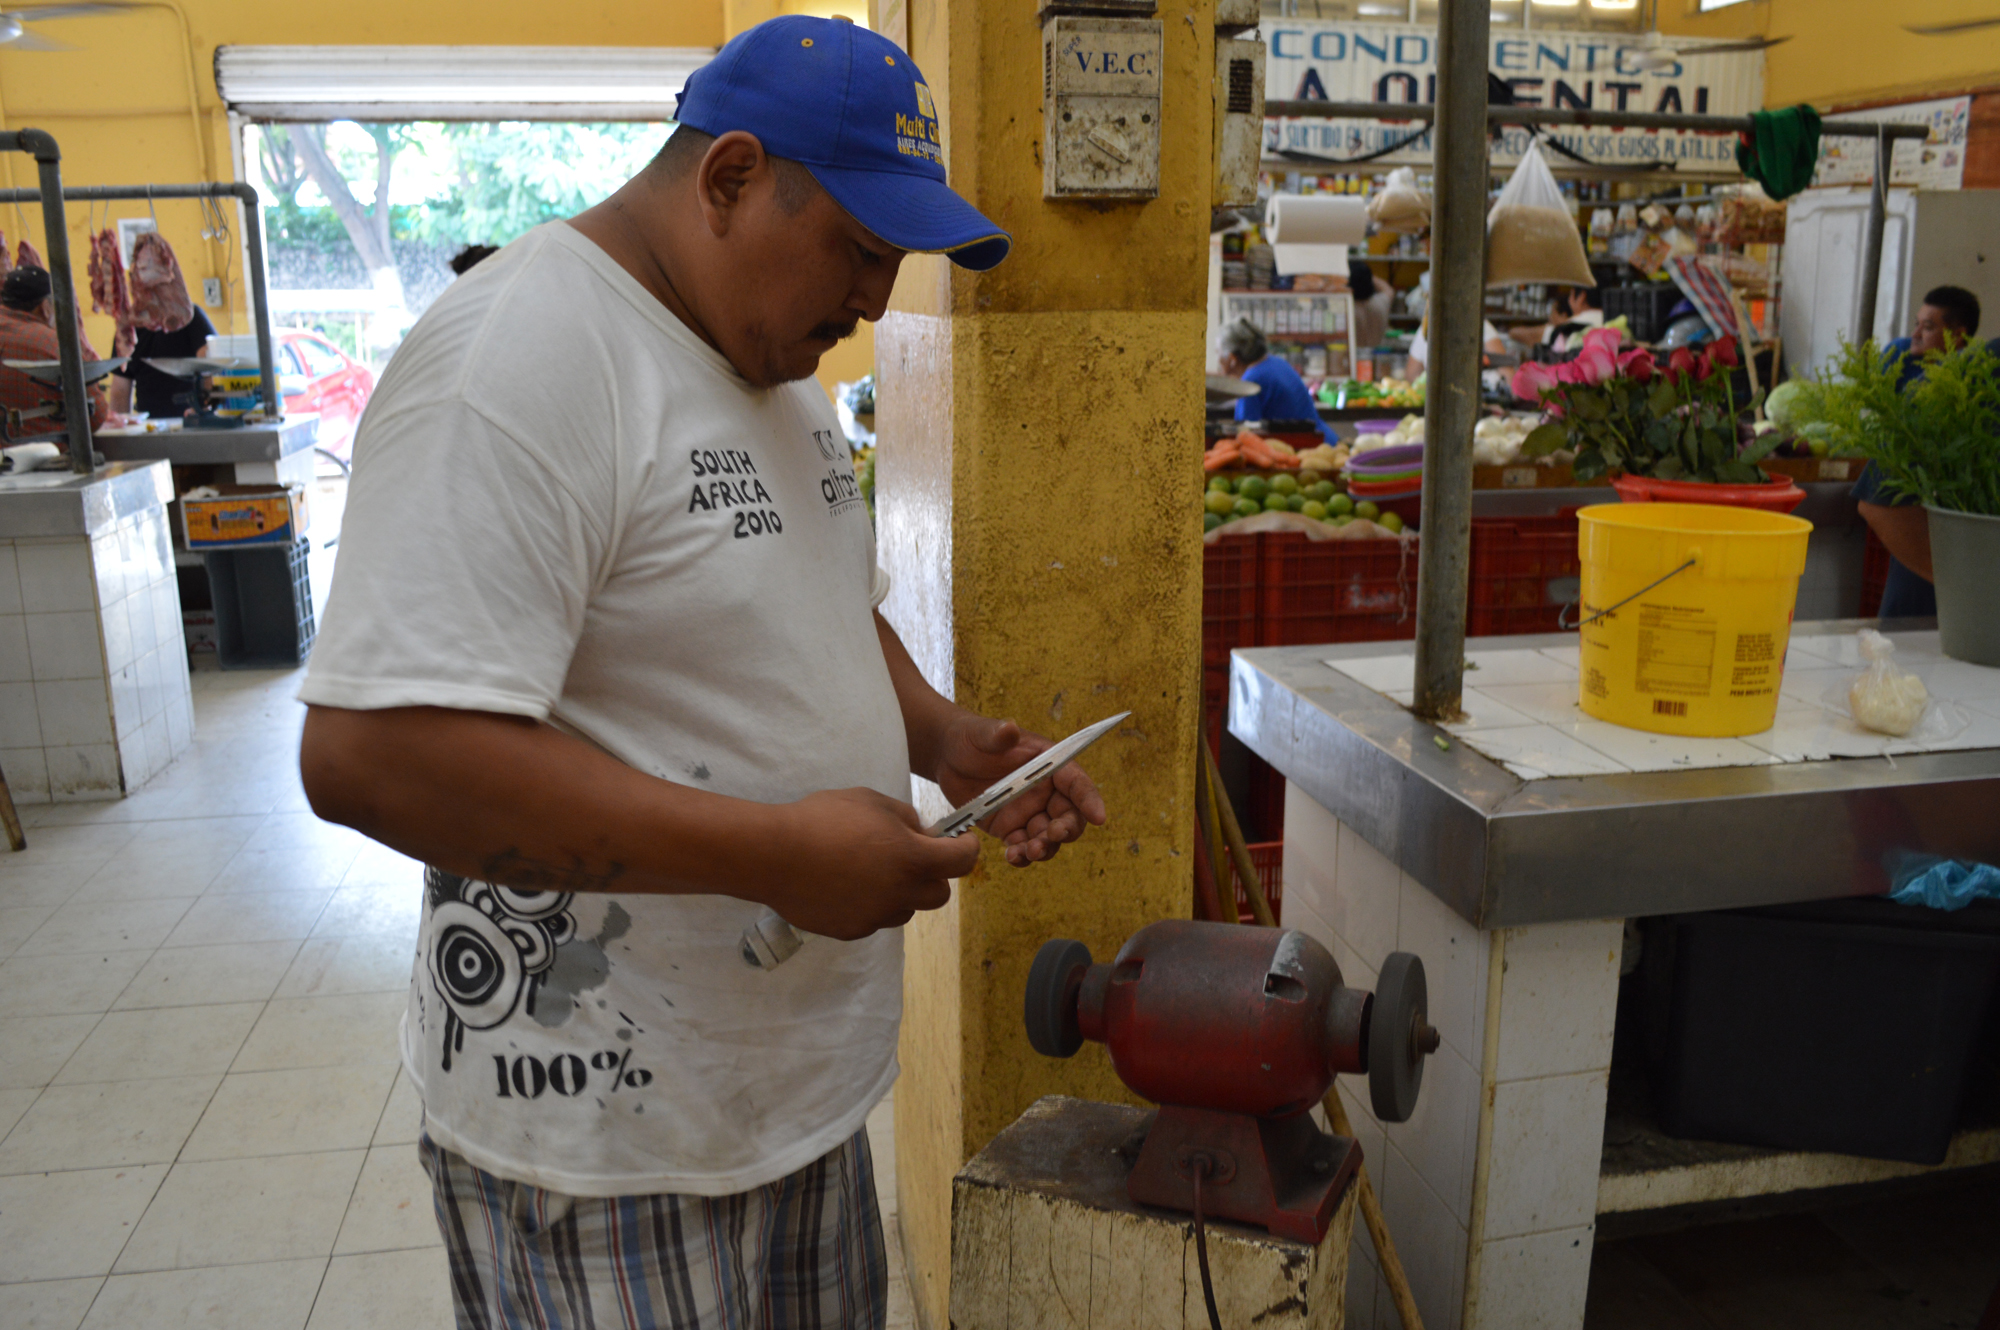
{"x":203,"y":1125}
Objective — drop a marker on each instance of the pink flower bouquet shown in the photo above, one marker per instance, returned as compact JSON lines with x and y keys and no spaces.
{"x":1620,"y":411}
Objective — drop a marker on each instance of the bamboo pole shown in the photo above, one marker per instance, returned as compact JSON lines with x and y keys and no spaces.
{"x":1239,"y":852}
{"x":1336,"y":1113}
{"x":1211,"y":825}
{"x":1378,"y":1226}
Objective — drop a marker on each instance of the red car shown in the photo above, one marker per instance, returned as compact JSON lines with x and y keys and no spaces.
{"x":316,"y":375}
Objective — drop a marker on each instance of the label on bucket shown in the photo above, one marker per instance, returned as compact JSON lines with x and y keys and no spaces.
{"x":1755,"y":671}
{"x":1676,"y":651}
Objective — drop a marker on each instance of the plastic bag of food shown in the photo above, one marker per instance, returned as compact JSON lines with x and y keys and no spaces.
{"x":1530,"y":236}
{"x":1886,"y":698}
{"x":1399,"y":205}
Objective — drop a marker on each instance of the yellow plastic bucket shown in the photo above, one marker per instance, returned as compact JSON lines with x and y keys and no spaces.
{"x":1686,"y":611}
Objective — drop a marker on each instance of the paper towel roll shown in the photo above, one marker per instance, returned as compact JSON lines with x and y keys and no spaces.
{"x":1311,"y":232}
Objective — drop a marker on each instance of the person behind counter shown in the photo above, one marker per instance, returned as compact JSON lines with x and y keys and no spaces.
{"x":1574,"y":310}
{"x":1282,"y":395}
{"x":139,"y":386}
{"x":1948,"y":317}
{"x":28,"y":332}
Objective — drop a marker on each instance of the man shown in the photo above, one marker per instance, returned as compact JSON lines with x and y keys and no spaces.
{"x":1948,"y":317}
{"x":142,"y":387}
{"x":1282,"y":394}
{"x":603,"y":652}
{"x":1575,"y":310}
{"x":1372,"y":298}
{"x":28,"y":332}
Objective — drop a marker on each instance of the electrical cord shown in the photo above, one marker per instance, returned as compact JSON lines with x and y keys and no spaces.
{"x":1293,"y":155}
{"x":1201,"y":1164}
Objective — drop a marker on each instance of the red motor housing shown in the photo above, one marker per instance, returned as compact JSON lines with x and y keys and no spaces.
{"x":1243,"y":1020}
{"x":1236,"y":1033}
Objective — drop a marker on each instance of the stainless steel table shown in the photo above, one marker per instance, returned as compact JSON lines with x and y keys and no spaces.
{"x":278,"y":454}
{"x":1502,"y":851}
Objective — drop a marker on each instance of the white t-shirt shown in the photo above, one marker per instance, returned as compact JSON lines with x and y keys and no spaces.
{"x":565,"y":505}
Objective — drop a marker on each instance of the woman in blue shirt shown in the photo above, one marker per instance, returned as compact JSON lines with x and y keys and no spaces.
{"x":1282,"y":394}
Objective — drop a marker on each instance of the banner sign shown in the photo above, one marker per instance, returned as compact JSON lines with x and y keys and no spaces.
{"x":1395,"y":62}
{"x":1935,"y":163}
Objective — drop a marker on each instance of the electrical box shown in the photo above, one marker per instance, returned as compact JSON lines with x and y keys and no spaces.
{"x":1239,"y":119}
{"x":1101,"y":108}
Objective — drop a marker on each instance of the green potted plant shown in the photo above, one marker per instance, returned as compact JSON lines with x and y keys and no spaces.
{"x":1937,"y":441}
{"x":1664,"y":434}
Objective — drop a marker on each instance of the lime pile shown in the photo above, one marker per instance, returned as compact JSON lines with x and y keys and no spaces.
{"x":1233,"y":500}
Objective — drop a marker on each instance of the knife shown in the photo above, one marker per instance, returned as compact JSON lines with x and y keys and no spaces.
{"x":771,"y":941}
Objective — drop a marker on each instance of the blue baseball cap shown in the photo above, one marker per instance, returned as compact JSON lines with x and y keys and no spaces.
{"x":853,"y":109}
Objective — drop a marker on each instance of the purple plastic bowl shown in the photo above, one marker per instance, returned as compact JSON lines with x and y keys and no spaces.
{"x":1376,"y":426}
{"x":1387,"y":461}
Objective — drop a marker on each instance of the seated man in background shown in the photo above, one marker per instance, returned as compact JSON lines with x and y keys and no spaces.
{"x":1948,"y":318}
{"x":1283,"y":395}
{"x":28,"y":332}
{"x":1574,"y":310}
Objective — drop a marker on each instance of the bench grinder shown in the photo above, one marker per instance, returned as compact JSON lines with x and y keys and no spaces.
{"x":1237,"y":1033}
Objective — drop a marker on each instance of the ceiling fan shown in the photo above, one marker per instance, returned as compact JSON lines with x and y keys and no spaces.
{"x":14,"y":33}
{"x":1947,"y":29}
{"x":1654,"y":53}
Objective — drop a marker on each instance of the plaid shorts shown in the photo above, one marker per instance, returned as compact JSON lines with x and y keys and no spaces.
{"x":803,"y":1252}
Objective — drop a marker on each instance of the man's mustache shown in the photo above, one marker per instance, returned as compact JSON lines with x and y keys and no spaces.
{"x":835,"y":332}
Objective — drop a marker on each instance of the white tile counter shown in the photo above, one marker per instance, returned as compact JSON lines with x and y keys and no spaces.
{"x":94,"y":692}
{"x":1522,"y":712}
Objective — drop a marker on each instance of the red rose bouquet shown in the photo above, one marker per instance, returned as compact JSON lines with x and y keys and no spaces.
{"x":1619,"y":410}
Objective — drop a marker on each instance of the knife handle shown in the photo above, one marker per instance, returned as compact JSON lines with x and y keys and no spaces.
{"x":770,"y":942}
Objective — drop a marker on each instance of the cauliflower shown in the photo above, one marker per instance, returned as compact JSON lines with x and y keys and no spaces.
{"x":1497,"y":440}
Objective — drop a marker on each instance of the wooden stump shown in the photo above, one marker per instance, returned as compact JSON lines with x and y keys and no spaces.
{"x":1043,"y":1237}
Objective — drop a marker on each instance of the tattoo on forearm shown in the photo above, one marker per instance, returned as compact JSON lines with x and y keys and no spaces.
{"x":510,"y":867}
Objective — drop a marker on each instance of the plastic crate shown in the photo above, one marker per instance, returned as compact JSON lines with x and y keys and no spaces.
{"x":1874,"y":575}
{"x":1229,"y":571}
{"x":1847,"y":1026}
{"x":1645,"y":307}
{"x":1336,"y":591}
{"x":263,"y":606}
{"x":1230,"y":568}
{"x":1268,"y":857}
{"x":1523,"y":571}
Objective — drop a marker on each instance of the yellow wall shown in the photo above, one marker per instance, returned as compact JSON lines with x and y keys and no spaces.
{"x":1847,"y":51}
{"x":136,"y":102}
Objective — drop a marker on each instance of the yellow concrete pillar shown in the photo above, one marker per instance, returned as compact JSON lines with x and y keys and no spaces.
{"x":1040,"y":430}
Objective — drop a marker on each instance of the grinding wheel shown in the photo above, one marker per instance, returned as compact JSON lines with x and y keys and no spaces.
{"x":1050,"y":1009}
{"x":1399,"y":1035}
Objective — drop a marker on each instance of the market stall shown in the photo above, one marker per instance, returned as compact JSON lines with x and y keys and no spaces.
{"x":236,"y":455}
{"x":1463,"y":797}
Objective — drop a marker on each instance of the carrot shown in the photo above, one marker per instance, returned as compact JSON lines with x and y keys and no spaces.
{"x":1217,"y":461}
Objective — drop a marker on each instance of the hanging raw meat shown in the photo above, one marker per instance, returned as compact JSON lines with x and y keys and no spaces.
{"x":159,"y":295}
{"x":107,"y":278}
{"x":27,"y":257}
